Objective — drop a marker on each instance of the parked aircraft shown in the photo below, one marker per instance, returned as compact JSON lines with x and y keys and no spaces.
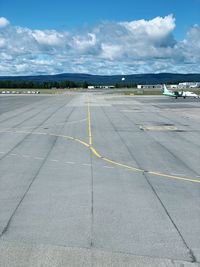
{"x":190,"y":94}
{"x":168,"y":92}
{"x":177,"y":94}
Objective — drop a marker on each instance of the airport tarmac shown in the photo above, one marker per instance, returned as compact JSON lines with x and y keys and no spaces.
{"x":92,"y":179}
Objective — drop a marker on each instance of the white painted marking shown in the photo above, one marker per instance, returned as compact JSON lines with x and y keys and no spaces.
{"x":108,"y":167}
{"x":177,"y":174}
{"x":86,"y":164}
{"x":1,"y":152}
{"x":13,"y":154}
{"x":69,"y":162}
{"x":38,"y":158}
{"x":55,"y":160}
{"x":127,"y":110}
{"x":40,"y":133}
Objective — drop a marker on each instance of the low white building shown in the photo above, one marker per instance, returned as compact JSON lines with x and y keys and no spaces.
{"x":189,"y":85}
{"x":172,"y":86}
{"x":101,"y":86}
{"x":149,"y":86}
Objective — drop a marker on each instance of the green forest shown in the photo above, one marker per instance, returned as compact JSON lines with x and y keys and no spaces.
{"x":42,"y":85}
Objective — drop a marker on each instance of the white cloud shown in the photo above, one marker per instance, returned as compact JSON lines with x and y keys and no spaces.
{"x":50,"y":38}
{"x":3,"y":22}
{"x":21,"y":67}
{"x":153,"y":29}
{"x":108,"y":48}
{"x":110,"y":51}
{"x":2,"y":43}
{"x":83,"y":43}
{"x":190,"y":46}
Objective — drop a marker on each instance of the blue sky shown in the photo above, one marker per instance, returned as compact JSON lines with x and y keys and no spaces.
{"x":62,"y":14}
{"x":102,"y":37}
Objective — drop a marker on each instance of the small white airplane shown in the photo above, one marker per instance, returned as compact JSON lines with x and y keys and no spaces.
{"x":190,"y":94}
{"x":177,"y":94}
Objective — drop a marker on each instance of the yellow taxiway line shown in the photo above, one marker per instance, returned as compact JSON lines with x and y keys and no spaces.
{"x":89,"y":123}
{"x":98,"y":155}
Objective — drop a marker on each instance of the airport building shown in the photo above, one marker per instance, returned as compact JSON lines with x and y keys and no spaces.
{"x":182,"y":85}
{"x":189,"y":85}
{"x":149,"y":86}
{"x":101,"y":86}
{"x":172,"y":86}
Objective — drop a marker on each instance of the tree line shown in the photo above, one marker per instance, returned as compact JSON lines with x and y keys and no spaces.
{"x":42,"y":85}
{"x":9,"y":84}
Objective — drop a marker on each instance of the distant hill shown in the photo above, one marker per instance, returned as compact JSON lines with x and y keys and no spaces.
{"x":110,"y":79}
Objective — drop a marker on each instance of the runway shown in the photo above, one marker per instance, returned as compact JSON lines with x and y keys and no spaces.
{"x":91,"y":179}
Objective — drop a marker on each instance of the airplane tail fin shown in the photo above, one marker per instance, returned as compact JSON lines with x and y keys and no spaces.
{"x":165,"y":90}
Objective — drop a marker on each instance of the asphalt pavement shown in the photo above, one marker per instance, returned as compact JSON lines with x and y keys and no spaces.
{"x":91,"y":179}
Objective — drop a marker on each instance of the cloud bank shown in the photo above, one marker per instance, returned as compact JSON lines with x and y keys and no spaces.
{"x":142,"y":46}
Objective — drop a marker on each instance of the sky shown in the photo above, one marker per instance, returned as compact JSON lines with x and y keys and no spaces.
{"x":99,"y":37}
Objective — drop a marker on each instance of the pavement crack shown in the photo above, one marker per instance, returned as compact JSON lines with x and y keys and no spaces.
{"x":192,"y":257}
{"x":181,"y":162}
{"x":32,"y":181}
{"x":27,"y":190}
{"x":92,"y":202}
{"x":29,"y":133}
{"x":190,"y":252}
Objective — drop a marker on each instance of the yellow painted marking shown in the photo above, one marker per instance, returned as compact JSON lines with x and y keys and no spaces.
{"x":140,"y":170}
{"x":95,"y":152}
{"x":81,"y":142}
{"x":89,"y":124}
{"x":127,"y":166}
{"x":123,"y":165}
{"x":149,"y":172}
{"x":174,"y":177}
{"x":66,"y":136}
{"x":98,"y":155}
